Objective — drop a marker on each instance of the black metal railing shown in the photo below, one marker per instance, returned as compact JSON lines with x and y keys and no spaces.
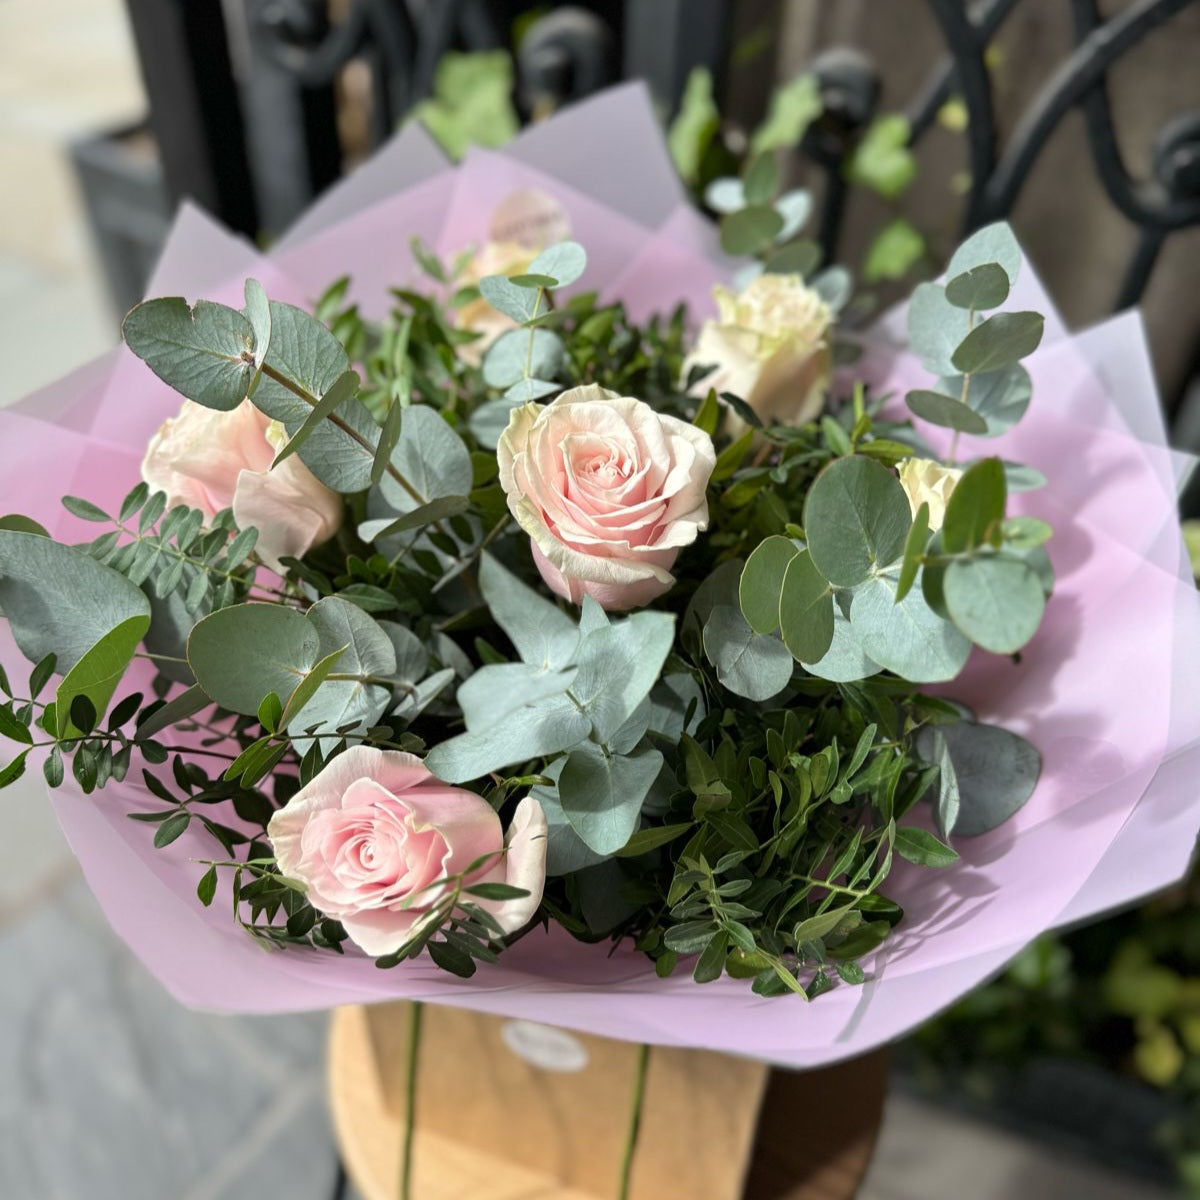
{"x":296,"y":55}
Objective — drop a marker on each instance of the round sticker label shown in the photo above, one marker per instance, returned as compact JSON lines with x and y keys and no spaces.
{"x":544,"y":1046}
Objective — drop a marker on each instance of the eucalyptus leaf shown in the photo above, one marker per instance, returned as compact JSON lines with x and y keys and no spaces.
{"x":511,"y":357}
{"x":205,"y":351}
{"x":760,"y":179}
{"x":856,"y":517}
{"x":946,"y":411}
{"x":415,"y":702}
{"x":762,"y":582}
{"x":1022,"y":478}
{"x":59,"y":600}
{"x":490,"y":420}
{"x":618,"y":665}
{"x":725,"y":195}
{"x":999,"y":342}
{"x":835,"y":285}
{"x":906,"y":636}
{"x":748,"y":664}
{"x":566,"y":851}
{"x":241,"y":653}
{"x":845,"y":661}
{"x":979,"y":288}
{"x":750,"y":229}
{"x":366,"y":655}
{"x":799,"y":258}
{"x":518,"y":303}
{"x":525,"y":390}
{"x":795,"y":207}
{"x":601,"y":794}
{"x":996,"y":771}
{"x":303,"y":350}
{"x":564,"y":262}
{"x":999,"y":397}
{"x":935,"y":328}
{"x":493,"y":692}
{"x":994,"y":243}
{"x":258,"y":312}
{"x":806,"y":610}
{"x":431,"y":458}
{"x":996,"y":601}
{"x":544,"y":636}
{"x":412,"y":658}
{"x":547,"y":727}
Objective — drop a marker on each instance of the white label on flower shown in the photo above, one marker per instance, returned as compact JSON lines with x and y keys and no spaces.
{"x":530,"y":217}
{"x":544,"y":1047}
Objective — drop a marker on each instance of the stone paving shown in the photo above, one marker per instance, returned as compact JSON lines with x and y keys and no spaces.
{"x":109,"y":1090}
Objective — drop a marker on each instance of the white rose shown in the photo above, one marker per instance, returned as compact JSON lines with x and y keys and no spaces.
{"x":770,"y":345}
{"x":212,"y":460}
{"x":609,"y":491}
{"x":926,"y":481}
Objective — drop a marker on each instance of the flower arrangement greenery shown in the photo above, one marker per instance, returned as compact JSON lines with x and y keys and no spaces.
{"x":715,"y":744}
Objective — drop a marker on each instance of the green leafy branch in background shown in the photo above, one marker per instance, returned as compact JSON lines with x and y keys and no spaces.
{"x":471,"y":103}
{"x":1122,"y":994}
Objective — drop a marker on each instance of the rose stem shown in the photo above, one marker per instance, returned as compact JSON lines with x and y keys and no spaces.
{"x":635,"y":1121}
{"x":415,"y":1012}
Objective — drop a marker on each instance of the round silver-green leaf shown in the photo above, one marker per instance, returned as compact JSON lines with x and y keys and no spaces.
{"x":907,"y":638}
{"x":996,"y":601}
{"x":806,"y":610}
{"x":856,"y":518}
{"x":241,"y":653}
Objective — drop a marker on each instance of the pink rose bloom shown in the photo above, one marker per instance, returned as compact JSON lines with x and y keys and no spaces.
{"x":608,"y":489}
{"x":212,"y":460}
{"x":375,"y":829}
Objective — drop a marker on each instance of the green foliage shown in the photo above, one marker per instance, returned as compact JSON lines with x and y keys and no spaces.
{"x":471,"y":103}
{"x":856,"y":518}
{"x":882,"y":160}
{"x":793,"y":108}
{"x":206,"y":352}
{"x":59,"y":600}
{"x":896,"y":249}
{"x":694,"y":126}
{"x":732,"y":786}
{"x":751,"y":229}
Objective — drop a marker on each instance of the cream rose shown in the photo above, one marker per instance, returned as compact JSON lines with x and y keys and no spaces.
{"x":770,"y":345}
{"x":374,"y":836}
{"x":926,"y":481}
{"x":212,"y":460}
{"x":608,"y":489}
{"x":478,"y":316}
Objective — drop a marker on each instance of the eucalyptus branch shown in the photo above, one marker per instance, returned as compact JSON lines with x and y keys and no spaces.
{"x":311,"y":400}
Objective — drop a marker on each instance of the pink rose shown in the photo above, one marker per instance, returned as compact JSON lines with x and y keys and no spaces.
{"x":375,"y":829}
{"x":212,"y":460}
{"x":608,"y":489}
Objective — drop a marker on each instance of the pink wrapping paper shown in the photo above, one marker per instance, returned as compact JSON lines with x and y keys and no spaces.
{"x":1101,"y":690}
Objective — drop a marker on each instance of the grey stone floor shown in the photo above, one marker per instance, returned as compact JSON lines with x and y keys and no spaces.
{"x":108,"y":1089}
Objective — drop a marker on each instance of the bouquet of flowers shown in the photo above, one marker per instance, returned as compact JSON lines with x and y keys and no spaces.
{"x":568,"y":606}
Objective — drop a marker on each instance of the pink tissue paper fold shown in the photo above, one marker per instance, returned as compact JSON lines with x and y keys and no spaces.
{"x":1103,"y":690}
